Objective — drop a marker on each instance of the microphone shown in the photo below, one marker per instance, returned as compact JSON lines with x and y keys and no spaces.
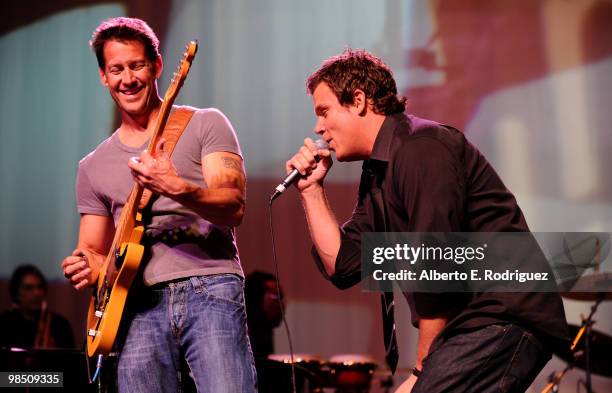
{"x":295,"y":174}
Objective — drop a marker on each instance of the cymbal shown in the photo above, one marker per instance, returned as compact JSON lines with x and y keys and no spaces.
{"x":600,"y":352}
{"x":593,"y":287}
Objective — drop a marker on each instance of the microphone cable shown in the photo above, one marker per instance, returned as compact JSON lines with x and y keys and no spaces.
{"x":280,"y":300}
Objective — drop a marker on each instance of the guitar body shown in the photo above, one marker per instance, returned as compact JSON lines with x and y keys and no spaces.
{"x":108,"y":325}
{"x":126,"y":252}
{"x":120,"y":268}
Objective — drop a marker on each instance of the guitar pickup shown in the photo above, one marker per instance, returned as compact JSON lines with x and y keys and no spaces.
{"x":119,"y":255}
{"x":92,"y":332}
{"x":98,"y":314}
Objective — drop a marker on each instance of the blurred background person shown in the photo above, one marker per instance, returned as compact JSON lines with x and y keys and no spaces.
{"x":264,"y":311}
{"x":29,"y":323}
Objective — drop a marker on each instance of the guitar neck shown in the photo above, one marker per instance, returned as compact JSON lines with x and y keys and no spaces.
{"x":125,"y":223}
{"x":162,"y":118}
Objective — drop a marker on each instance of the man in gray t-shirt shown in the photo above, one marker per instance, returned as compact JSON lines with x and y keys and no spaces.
{"x":188,"y":307}
{"x":183,"y":243}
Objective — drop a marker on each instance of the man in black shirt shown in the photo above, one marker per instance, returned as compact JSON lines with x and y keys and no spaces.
{"x":30,"y":324}
{"x":421,"y":176}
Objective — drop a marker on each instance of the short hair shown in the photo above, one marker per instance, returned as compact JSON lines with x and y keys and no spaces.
{"x":18,"y":275}
{"x":255,"y":286}
{"x":124,"y":29}
{"x":359,"y":69}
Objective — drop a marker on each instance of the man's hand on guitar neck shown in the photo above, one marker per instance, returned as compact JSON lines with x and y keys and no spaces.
{"x":157,"y":173}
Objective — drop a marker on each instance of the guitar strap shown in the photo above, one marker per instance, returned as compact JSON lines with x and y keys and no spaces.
{"x":175,"y":126}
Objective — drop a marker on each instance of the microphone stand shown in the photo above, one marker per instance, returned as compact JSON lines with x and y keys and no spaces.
{"x":555,"y":379}
{"x":586,"y":332}
{"x":588,"y":327}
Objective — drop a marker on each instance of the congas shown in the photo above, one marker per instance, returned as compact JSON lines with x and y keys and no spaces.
{"x":308,"y":372}
{"x":351,"y":373}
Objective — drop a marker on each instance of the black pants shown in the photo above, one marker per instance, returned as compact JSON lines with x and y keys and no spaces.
{"x":495,"y":358}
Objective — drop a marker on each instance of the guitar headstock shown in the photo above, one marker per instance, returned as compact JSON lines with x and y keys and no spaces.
{"x":181,"y":71}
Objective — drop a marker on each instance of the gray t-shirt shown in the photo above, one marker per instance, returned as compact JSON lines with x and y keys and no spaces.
{"x":182,"y":244}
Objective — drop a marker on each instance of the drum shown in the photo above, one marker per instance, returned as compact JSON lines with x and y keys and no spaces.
{"x":298,"y":358}
{"x":351,"y":373}
{"x":308,"y":372}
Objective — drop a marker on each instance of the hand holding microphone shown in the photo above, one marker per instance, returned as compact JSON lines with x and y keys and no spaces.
{"x":308,"y":166}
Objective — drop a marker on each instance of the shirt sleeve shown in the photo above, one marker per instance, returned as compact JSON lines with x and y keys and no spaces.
{"x":217,"y":133}
{"x":348,"y":262}
{"x":88,"y":200}
{"x":491,"y":206}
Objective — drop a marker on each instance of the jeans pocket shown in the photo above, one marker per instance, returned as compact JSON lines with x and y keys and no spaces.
{"x":534,"y":340}
{"x":225,"y":288}
{"x":528,"y":359}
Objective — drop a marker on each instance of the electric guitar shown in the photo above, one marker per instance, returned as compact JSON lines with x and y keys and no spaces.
{"x":125,"y":255}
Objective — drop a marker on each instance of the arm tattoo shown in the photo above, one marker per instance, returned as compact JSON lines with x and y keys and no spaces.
{"x":232,"y":163}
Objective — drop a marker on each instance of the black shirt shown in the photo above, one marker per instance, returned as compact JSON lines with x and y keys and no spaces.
{"x":426,"y":177}
{"x":17,"y":331}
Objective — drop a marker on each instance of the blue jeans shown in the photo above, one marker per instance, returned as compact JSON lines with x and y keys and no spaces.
{"x":200,"y":321}
{"x":495,"y":358}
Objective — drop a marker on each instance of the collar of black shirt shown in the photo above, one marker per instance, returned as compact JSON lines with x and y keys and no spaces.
{"x":382,"y":145}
